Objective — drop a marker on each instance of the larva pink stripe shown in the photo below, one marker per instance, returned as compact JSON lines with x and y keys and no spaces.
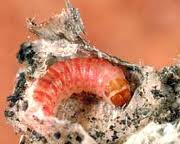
{"x":93,"y":75}
{"x":41,"y":88}
{"x":87,"y":74}
{"x":63,"y":71}
{"x":84,"y":73}
{"x":77,"y":74}
{"x":72,"y":76}
{"x":43,"y":97}
{"x":48,"y":86}
{"x":54,"y":77}
{"x":72,"y":73}
{"x":65,"y":78}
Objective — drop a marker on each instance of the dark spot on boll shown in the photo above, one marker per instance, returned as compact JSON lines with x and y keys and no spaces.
{"x":57,"y":135}
{"x":93,"y":118}
{"x":51,"y":60}
{"x":171,"y":81}
{"x":29,"y":130}
{"x":69,"y":136}
{"x":36,"y":136}
{"x":111,"y":127}
{"x":177,"y":87}
{"x":107,"y":141}
{"x":123,"y":122}
{"x":44,"y":140}
{"x":22,"y":76}
{"x":114,"y":136}
{"x":11,"y":104}
{"x":17,"y":120}
{"x":13,"y":98}
{"x":99,"y":134}
{"x":170,"y":76}
{"x":140,"y":93}
{"x":8,"y":113}
{"x":26,"y":53}
{"x":83,"y":110}
{"x":22,"y":52}
{"x":157,"y":93}
{"x":23,"y":140}
{"x":79,"y":138}
{"x":20,"y":85}
{"x":24,"y":105}
{"x":68,"y":142}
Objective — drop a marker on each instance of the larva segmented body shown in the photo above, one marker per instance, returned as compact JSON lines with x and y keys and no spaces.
{"x":93,"y":75}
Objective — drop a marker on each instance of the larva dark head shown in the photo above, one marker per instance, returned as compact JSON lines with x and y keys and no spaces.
{"x":26,"y":53}
{"x":118,"y":91}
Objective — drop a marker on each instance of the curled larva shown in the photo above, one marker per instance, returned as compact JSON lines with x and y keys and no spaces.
{"x":65,"y":84}
{"x":94,"y":75}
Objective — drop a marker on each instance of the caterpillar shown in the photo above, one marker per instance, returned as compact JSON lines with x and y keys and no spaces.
{"x":75,"y":75}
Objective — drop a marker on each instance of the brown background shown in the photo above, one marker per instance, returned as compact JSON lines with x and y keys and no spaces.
{"x":135,"y":30}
